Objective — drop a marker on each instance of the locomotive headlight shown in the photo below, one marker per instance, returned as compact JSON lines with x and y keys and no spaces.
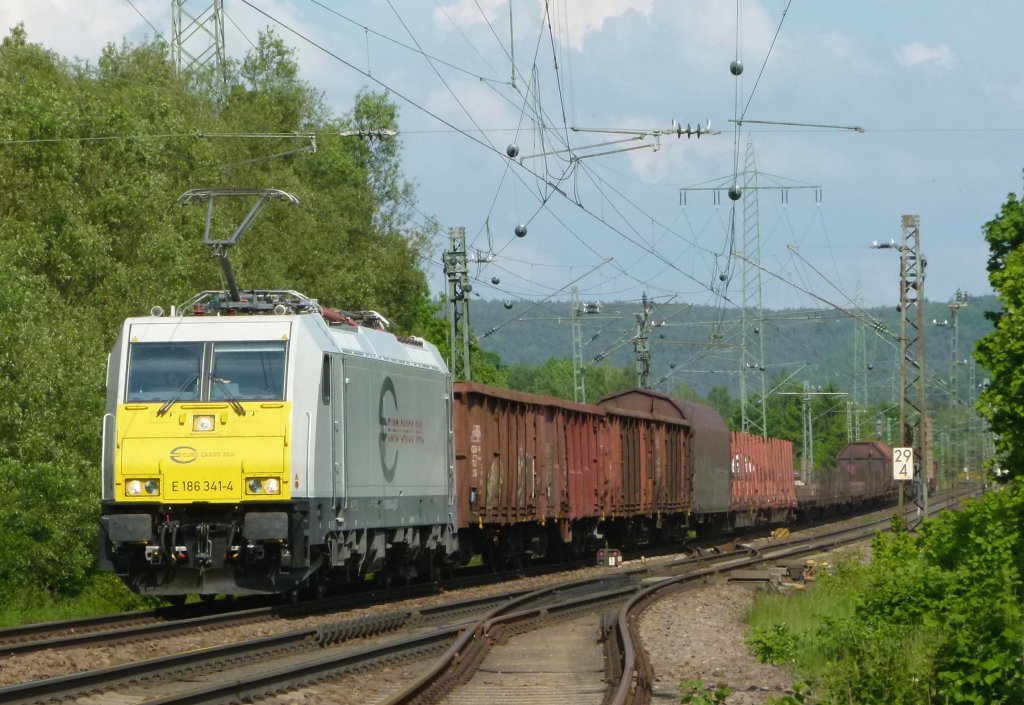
{"x":152,"y":486}
{"x":203,"y":423}
{"x":263,"y":485}
{"x":133,"y":488}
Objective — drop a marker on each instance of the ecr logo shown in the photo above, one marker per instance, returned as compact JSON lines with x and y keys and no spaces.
{"x":396,"y":431}
{"x":385,"y":411}
{"x":183,"y":455}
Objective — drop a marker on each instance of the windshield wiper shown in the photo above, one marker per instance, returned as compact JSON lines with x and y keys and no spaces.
{"x":177,"y":395}
{"x":238,"y":408}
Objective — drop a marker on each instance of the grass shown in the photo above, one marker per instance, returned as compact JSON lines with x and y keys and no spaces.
{"x":775,"y":618}
{"x":102,"y":594}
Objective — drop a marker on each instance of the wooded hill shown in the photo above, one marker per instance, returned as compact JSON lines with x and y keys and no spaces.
{"x":698,"y":345}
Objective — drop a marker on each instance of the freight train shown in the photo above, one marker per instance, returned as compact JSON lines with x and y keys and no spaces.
{"x":255,"y":442}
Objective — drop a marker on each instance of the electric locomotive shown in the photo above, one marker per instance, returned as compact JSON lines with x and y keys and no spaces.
{"x":251,"y":445}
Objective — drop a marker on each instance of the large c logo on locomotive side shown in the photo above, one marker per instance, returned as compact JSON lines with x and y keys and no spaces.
{"x":387,"y":389}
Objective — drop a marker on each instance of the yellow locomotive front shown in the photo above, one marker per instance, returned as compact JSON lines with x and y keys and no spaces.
{"x":217,"y":436}
{"x":196,"y":492}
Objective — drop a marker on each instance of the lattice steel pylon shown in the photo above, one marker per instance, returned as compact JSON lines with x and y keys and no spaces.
{"x":860,"y":386}
{"x":807,"y":455}
{"x":912,"y":361}
{"x":456,"y":269}
{"x":753,"y":417}
{"x":752,"y":311}
{"x":579,"y":380}
{"x":197,"y":36}
{"x":642,"y":344}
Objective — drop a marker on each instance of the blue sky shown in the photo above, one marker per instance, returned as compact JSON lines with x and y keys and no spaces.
{"x":938,"y":88}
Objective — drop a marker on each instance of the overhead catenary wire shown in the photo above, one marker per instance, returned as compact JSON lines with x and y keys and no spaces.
{"x":626,"y":229}
{"x":156,"y":32}
{"x":502,"y":325}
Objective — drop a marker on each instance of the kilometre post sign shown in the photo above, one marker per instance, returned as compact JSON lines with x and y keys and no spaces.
{"x":903,"y":463}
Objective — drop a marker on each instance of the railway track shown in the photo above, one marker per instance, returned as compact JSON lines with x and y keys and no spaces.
{"x":168,"y":621}
{"x":465,"y":672}
{"x":462,"y":638}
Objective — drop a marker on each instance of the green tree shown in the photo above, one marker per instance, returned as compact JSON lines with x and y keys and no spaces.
{"x":1002,"y":350}
{"x":554,"y":378}
{"x":93,"y":160}
{"x":720,"y":398}
{"x":603,"y":380}
{"x":685,"y":391}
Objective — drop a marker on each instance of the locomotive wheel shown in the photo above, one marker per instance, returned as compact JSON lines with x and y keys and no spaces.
{"x":317,"y":590}
{"x":385,"y":579}
{"x":436,"y":569}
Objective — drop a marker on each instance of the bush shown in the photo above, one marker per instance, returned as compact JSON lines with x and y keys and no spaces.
{"x":933,"y":619}
{"x":775,"y":645}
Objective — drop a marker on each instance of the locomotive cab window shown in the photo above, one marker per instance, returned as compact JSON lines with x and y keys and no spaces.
{"x":217,"y":371}
{"x":162,"y":371}
{"x":247,"y":371}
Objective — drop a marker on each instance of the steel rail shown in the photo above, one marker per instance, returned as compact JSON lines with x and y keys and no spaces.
{"x":635,"y":673}
{"x":126,"y":626}
{"x":62,"y":687}
{"x":469,"y":649}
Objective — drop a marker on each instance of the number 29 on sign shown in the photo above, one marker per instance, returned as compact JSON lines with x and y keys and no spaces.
{"x":903,"y":463}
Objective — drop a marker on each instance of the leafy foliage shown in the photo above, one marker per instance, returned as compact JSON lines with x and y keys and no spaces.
{"x":775,"y":645}
{"x":936,"y":618}
{"x":695,"y":692}
{"x":92,"y":161}
{"x":555,"y":378}
{"x":1002,"y":351}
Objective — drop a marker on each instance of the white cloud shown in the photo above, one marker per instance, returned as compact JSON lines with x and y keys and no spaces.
{"x":468,"y":13}
{"x":478,"y":107}
{"x":581,"y":17}
{"x":918,"y":54}
{"x":680,"y":160}
{"x":570,"y":20}
{"x":74,"y":28}
{"x":848,"y":52}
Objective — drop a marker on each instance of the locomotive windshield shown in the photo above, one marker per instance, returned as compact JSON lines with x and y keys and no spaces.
{"x":212,"y":371}
{"x":162,"y":371}
{"x":248,"y":371}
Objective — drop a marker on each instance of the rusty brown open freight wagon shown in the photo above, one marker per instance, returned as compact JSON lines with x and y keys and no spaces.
{"x":862,"y":475}
{"x":763,"y":481}
{"x":636,"y":464}
{"x":524,"y":457}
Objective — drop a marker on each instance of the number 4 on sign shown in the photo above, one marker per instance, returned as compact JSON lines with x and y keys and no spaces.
{"x":903,"y":463}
